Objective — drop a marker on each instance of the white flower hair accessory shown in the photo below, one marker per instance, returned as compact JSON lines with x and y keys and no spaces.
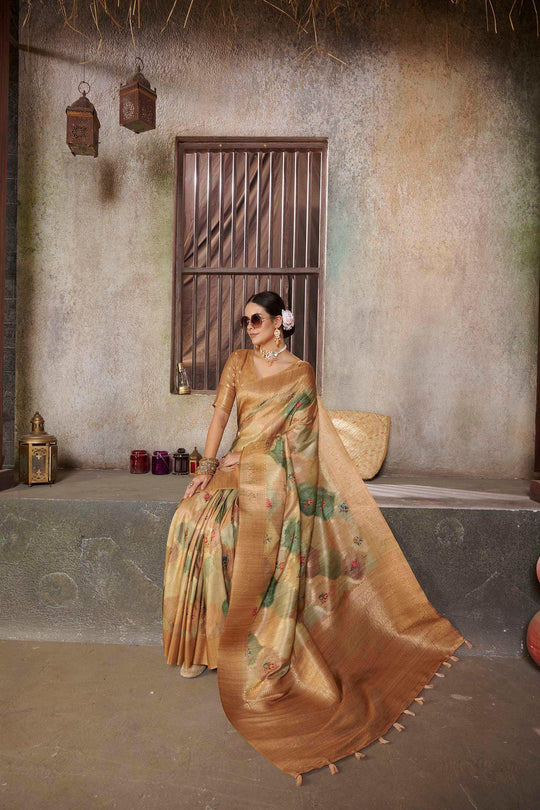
{"x":287,"y":318}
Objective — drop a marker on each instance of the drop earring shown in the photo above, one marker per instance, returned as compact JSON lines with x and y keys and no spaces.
{"x":277,"y":334}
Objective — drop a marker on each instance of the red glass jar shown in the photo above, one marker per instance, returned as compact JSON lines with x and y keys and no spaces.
{"x":139,"y":462}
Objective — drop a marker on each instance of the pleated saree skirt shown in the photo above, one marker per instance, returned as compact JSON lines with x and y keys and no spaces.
{"x":198,"y":571}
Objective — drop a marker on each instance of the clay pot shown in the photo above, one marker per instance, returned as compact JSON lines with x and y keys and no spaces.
{"x":533,"y":630}
{"x":533,"y":638}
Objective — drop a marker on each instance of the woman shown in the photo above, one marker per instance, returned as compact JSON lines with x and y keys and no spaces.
{"x":282,"y":573}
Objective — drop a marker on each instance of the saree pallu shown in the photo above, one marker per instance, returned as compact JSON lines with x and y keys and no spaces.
{"x":285,"y":576}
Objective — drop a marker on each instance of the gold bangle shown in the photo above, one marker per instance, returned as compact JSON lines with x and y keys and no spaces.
{"x":207,"y":466}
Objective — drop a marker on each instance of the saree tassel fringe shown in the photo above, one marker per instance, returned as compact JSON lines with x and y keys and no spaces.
{"x":298,"y":779}
{"x":468,"y":643}
{"x":333,"y":768}
{"x":398,"y":726}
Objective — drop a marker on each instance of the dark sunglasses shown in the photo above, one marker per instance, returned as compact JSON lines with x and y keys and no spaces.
{"x":256,"y":320}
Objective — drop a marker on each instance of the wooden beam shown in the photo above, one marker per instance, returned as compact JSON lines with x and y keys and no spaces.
{"x":4,"y":92}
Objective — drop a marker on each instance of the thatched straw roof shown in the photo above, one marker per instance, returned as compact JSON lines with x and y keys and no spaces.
{"x":306,"y":18}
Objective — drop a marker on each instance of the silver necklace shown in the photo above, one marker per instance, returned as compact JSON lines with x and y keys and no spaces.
{"x":269,"y":354}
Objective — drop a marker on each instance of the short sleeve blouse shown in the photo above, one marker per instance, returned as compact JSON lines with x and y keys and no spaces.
{"x":227,"y":385}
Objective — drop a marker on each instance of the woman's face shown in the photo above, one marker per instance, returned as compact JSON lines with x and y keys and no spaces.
{"x":263,"y":334}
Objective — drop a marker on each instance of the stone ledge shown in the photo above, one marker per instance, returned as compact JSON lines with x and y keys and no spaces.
{"x":390,"y":491}
{"x":82,"y":560}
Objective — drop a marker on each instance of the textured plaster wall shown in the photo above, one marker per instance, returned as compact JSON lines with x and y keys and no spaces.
{"x":432,"y":257}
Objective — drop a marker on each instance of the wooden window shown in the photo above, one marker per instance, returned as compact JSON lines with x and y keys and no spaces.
{"x":249,"y":216}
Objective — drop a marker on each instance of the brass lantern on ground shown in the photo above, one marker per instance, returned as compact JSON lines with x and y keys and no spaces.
{"x":37,"y":455}
{"x":138,"y":103}
{"x":82,"y":126}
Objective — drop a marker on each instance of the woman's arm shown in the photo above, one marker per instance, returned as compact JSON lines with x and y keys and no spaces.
{"x":222,"y":407}
{"x":215,"y":432}
{"x":213,"y":440}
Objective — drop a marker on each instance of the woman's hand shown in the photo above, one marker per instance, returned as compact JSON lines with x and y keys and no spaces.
{"x":201,"y":481}
{"x":229,"y":459}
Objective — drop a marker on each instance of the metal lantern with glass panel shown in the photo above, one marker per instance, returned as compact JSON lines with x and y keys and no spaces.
{"x":82,"y":135}
{"x":37,"y":454}
{"x":138,"y":103}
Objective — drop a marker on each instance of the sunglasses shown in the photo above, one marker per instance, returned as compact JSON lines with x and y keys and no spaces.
{"x":255,"y":320}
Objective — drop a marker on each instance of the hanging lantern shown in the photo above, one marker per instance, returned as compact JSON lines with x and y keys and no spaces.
{"x":37,"y":455}
{"x":138,"y":103}
{"x":82,"y":126}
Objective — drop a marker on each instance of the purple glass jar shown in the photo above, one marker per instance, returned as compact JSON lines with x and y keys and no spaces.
{"x":139,"y":462}
{"x":161,"y":462}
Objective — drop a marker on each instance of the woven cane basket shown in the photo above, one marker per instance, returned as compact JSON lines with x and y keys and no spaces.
{"x":365,"y":436}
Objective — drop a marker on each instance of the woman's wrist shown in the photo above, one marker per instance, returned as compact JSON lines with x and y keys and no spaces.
{"x":207,"y":466}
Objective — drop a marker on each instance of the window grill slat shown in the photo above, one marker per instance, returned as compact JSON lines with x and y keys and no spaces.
{"x":220,"y":212}
{"x":196,"y":211}
{"x":308,"y":208}
{"x":295,"y":208}
{"x":231,"y":314}
{"x":208,"y":214}
{"x":206,"y":331}
{"x":246,"y":207}
{"x":292,"y":287}
{"x":233,"y":209}
{"x":306,"y":317}
{"x":194,"y":330}
{"x":270,"y":208}
{"x":219,"y":317}
{"x":282,"y":252}
{"x":244,"y":296}
{"x":251,"y":271}
{"x":258,"y":215}
{"x":319,"y":240}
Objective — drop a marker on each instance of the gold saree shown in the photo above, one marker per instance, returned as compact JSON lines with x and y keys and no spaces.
{"x":285,"y":576}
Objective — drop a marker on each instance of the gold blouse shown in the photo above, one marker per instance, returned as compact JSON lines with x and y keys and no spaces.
{"x":227,"y":384}
{"x":240,"y":368}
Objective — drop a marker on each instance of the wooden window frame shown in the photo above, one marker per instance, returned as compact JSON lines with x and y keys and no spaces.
{"x":193,"y":143}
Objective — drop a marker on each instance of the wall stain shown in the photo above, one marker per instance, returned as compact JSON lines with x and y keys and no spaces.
{"x":109,"y":183}
{"x":450,"y":531}
{"x":118,"y":580}
{"x":15,"y":538}
{"x":57,"y":589}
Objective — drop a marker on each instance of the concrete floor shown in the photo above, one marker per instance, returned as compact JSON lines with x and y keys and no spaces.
{"x":110,"y":726}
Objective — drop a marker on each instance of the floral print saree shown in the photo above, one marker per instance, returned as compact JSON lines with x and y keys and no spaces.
{"x":285,"y":576}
